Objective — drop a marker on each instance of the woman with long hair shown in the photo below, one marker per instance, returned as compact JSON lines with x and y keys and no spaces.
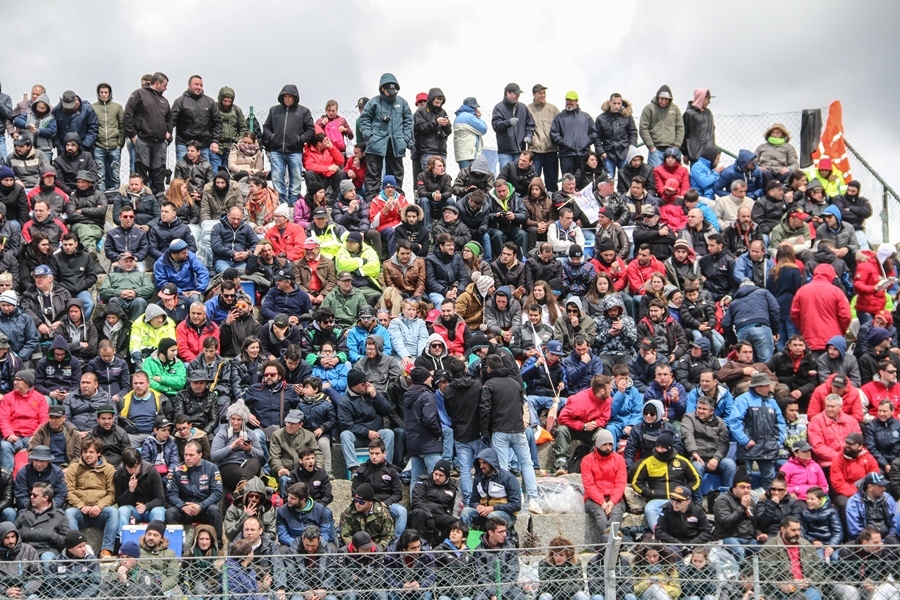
{"x":783,"y":283}
{"x":314,"y":198}
{"x":560,"y":572}
{"x":542,"y":295}
{"x":261,"y":202}
{"x":245,"y":369}
{"x":246,"y":158}
{"x":590,"y":171}
{"x":655,"y":288}
{"x":36,"y":252}
{"x":335,"y":127}
{"x":600,"y":287}
{"x":186,"y":199}
{"x":471,"y":255}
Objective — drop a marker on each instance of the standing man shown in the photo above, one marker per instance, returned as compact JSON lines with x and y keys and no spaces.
{"x":661,"y":126}
{"x":72,"y":115}
{"x":386,"y":124}
{"x":616,"y":132}
{"x":513,"y":124}
{"x":573,"y":131}
{"x":234,"y":126}
{"x":110,"y":138}
{"x":6,"y":116}
{"x":432,"y":128}
{"x":757,"y":425}
{"x":289,"y":125}
{"x":148,"y":123}
{"x":545,"y":151}
{"x":196,"y":117}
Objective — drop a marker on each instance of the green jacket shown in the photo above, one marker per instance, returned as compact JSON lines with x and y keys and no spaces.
{"x":346,"y":308}
{"x":172,"y":376}
{"x":163,"y":562}
{"x":110,"y":115}
{"x":377,"y":524}
{"x":775,"y":565}
{"x":661,"y":126}
{"x":116,"y":281}
{"x":234,"y":125}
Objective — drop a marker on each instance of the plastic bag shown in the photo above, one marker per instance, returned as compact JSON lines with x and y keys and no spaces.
{"x":559,"y":495}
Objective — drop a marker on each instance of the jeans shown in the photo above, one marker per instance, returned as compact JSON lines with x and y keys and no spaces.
{"x":435,"y":298}
{"x":127,"y":512}
{"x":221,"y":265}
{"x":766,"y":471}
{"x":546,"y":165}
{"x":532,"y":448}
{"x":108,"y":520}
{"x":785,"y":330}
{"x":8,"y":452}
{"x":9,"y":514}
{"x":760,"y":337}
{"x":727,"y":469}
{"x":447,"y":452}
{"x":387,"y":235}
{"x":88,"y":300}
{"x":717,"y":343}
{"x":505,"y":159}
{"x":217,"y":160}
{"x":108,"y":165}
{"x":398,"y":513}
{"x":498,"y":238}
{"x":739,"y":547}
{"x":655,"y":158}
{"x":652,"y":511}
{"x":536,"y":404}
{"x":422,"y":464}
{"x":349,"y":445}
{"x":465,"y":454}
{"x":290,"y":165}
{"x":464,"y":164}
{"x":569,"y":164}
{"x":611,"y":165}
{"x":470,"y":517}
{"x":181,"y":150}
{"x":518,"y":443}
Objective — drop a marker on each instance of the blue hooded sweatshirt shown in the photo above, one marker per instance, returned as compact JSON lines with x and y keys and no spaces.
{"x":753,"y":178}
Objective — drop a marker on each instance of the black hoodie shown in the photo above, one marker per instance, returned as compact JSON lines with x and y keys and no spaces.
{"x":287,"y":129}
{"x":431,"y":138}
{"x":502,"y":399}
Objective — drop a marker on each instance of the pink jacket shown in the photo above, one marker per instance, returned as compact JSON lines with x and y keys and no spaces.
{"x":802,"y":475}
{"x":826,"y":436}
{"x":22,"y":415}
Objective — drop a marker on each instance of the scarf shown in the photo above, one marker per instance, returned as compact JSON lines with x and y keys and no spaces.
{"x":76,"y":333}
{"x":112,"y":331}
{"x":776,"y":141}
{"x":261,"y":205}
{"x":248,"y":149}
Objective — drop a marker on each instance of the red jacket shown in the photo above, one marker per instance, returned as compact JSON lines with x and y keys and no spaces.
{"x":379,"y":220}
{"x":289,"y":242}
{"x":820,"y":309}
{"x":359,"y":171}
{"x":583,"y":407}
{"x":603,"y":477}
{"x":457,"y":346}
{"x":877,"y":392}
{"x":868,"y":274}
{"x":826,"y":436}
{"x":22,"y":415}
{"x":318,"y":162}
{"x":638,"y":275}
{"x":190,"y":341}
{"x":618,"y":277}
{"x":846,"y":472}
{"x":852,"y":405}
{"x":662,"y":172}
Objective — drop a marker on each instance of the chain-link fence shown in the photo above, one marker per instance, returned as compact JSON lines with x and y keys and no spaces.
{"x":617,"y":571}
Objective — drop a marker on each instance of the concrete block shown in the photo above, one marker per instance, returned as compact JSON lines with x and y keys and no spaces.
{"x":578,"y":527}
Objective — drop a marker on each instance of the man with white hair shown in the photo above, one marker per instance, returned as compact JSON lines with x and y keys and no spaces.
{"x":20,"y":330}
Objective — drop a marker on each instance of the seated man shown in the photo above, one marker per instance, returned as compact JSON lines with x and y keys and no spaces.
{"x":735,"y":513}
{"x":86,"y":211}
{"x":314,"y":272}
{"x":140,"y":494}
{"x":270,"y":399}
{"x":91,"y":494}
{"x":17,"y":326}
{"x":286,"y":444}
{"x":39,"y":469}
{"x":193,"y":167}
{"x":384,"y":479}
{"x":496,"y":494}
{"x":682,"y":523}
{"x":192,"y":332}
{"x":48,"y":434}
{"x":706,"y":443}
{"x":413,"y":230}
{"x":828,"y":430}
{"x":284,"y":240}
{"x":669,"y":392}
{"x":286,"y":297}
{"x":75,"y":270}
{"x":128,"y":285}
{"x":404,"y":276}
{"x":872,"y":507}
{"x":164,"y":372}
{"x":252,"y":501}
{"x":232,"y":241}
{"x":22,"y":411}
{"x":42,"y":524}
{"x":182,"y":267}
{"x":194,"y":491}
{"x":432,"y":502}
{"x":583,"y":415}
{"x":299,"y":512}
{"x":139,"y":198}
{"x":604,"y":477}
{"x":127,"y":237}
{"x":368,"y":515}
{"x":168,"y":229}
{"x":159,"y":559}
{"x":198,"y":402}
{"x":883,"y":435}
{"x":788,"y":558}
{"x":507,"y":218}
{"x":59,"y":372}
{"x":496,"y":552}
{"x":657,"y":475}
{"x":736,"y":373}
{"x":849,"y":468}
{"x":45,"y":302}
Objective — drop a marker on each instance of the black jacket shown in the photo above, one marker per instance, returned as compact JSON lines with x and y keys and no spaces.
{"x":133,"y":239}
{"x":92,"y":205}
{"x":360,"y":414}
{"x":196,"y":118}
{"x":436,"y":499}
{"x":203,"y":412}
{"x":768,"y":213}
{"x":431,"y":138}
{"x":501,"y":403}
{"x":537,"y":270}
{"x":732,"y":520}
{"x":677,"y":528}
{"x":149,"y":490}
{"x":805,"y":378}
{"x":517,"y":177}
{"x":616,"y":131}
{"x":14,"y":199}
{"x":288,"y":129}
{"x":148,"y":115}
{"x":461,"y":399}
{"x":717,"y":270}
{"x":75,"y":272}
{"x":769,"y":513}
{"x":317,"y":483}
{"x":882,"y":440}
{"x":384,"y":479}
{"x":162,"y":234}
{"x":443,"y":272}
{"x":822,"y":524}
{"x":513,"y":277}
{"x":423,"y":425}
{"x":114,"y":442}
{"x":660,"y":246}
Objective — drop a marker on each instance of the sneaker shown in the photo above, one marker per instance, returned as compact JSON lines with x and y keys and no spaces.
{"x":106,"y":554}
{"x":535,"y":508}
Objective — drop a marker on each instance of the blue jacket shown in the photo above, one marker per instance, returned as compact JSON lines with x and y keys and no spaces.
{"x":265,"y":403}
{"x":859,"y":506}
{"x":356,"y":341}
{"x":118,"y":240}
{"x":709,"y":216}
{"x":319,"y":412}
{"x":74,"y":577}
{"x":756,"y":418}
{"x":290,"y":522}
{"x":752,"y":306}
{"x":704,"y":178}
{"x":500,"y":484}
{"x":743,"y":268}
{"x":336,"y":378}
{"x":83,"y":122}
{"x":753,"y":178}
{"x":215,"y":312}
{"x":386,"y":119}
{"x":294,"y":303}
{"x":201,"y":484}
{"x":224,"y":240}
{"x":408,"y":337}
{"x":21,"y":331}
{"x":579,"y":374}
{"x":28,"y":476}
{"x":193,"y":274}
{"x":241,"y":581}
{"x":626,"y":409}
{"x":674,"y":410}
{"x":574,"y":132}
{"x":157,"y":454}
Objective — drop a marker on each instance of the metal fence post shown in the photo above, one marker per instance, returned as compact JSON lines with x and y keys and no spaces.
{"x":611,"y":561}
{"x":885,"y":217}
{"x":756,"y":594}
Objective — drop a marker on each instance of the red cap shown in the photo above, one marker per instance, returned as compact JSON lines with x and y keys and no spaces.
{"x":824,"y":164}
{"x":885,"y":316}
{"x":671,"y":183}
{"x":421,"y":97}
{"x":433,"y":315}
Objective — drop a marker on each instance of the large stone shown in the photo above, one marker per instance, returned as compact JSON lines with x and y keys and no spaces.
{"x":578,"y":527}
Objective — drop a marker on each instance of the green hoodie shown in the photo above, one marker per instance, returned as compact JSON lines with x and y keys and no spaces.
{"x":110,"y":115}
{"x":234,"y":125}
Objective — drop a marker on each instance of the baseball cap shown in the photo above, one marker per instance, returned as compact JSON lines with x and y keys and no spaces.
{"x":283,"y":274}
{"x":802,"y":446}
{"x":649,"y":210}
{"x":161,"y":422}
{"x":106,"y":409}
{"x":856,"y":438}
{"x":126,"y":254}
{"x":433,"y":315}
{"x":421,"y":97}
{"x":799,"y":214}
{"x":471,"y":102}
{"x":773,"y":184}
{"x":68,"y":100}
{"x":320,"y":211}
{"x":839,"y":381}
{"x":572,"y":95}
{"x":281,"y":320}
{"x":311,"y":243}
{"x":362,"y":102}
{"x":513,"y":88}
{"x":875,"y":479}
{"x":575,"y":251}
{"x":42,"y":271}
{"x":344,"y":276}
{"x":538,"y":87}
{"x":681,"y":492}
{"x":647,"y":344}
{"x":362,"y":541}
{"x":555,"y":347}
{"x":168,"y":291}
{"x":57,"y":411}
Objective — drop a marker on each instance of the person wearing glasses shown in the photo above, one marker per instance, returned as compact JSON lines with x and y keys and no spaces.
{"x":270,"y":400}
{"x":194,"y":491}
{"x":683,"y":524}
{"x":127,"y":237}
{"x":42,"y":524}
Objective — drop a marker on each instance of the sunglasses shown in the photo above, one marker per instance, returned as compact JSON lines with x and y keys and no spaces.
{"x":572,"y":311}
{"x":359,"y":501}
{"x":270,"y":374}
{"x":229,"y":295}
{"x":891,"y":371}
{"x":437,"y":345}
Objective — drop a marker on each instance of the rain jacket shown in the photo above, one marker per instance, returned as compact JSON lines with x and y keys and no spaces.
{"x":753,"y":178}
{"x":386,"y":121}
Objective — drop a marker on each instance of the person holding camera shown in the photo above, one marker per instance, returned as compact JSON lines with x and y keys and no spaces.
{"x":386,"y":124}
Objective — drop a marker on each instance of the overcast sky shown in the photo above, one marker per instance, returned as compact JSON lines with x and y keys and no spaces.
{"x":757,"y":57}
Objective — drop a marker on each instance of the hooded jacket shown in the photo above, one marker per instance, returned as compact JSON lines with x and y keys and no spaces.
{"x":82,"y":121}
{"x":738,"y":171}
{"x":757,"y":418}
{"x":565,"y":333}
{"x":699,"y":126}
{"x":145,"y":336}
{"x":499,"y":490}
{"x":642,"y":438}
{"x":869,"y":272}
{"x":627,"y":173}
{"x":51,"y":375}
{"x":468,"y":133}
{"x":864,"y":512}
{"x":844,"y":236}
{"x":147,"y":115}
{"x":820,"y":310}
{"x":854,"y":209}
{"x":431,"y":138}
{"x":214,"y":203}
{"x":110,"y":121}
{"x":752,"y":306}
{"x":287,"y":129}
{"x":616,"y":132}
{"x":505,"y":319}
{"x":386,"y":121}
{"x":661,"y":127}
{"x":703,"y":175}
{"x":510,"y":137}
{"x":20,"y":566}
{"x":502,"y":403}
{"x":422,"y":423}
{"x":45,"y":125}
{"x":775,"y":157}
{"x":67,"y":166}
{"x":481,"y":176}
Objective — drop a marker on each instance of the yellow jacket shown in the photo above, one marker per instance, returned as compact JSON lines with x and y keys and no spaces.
{"x":365,"y":264}
{"x":834,"y":185}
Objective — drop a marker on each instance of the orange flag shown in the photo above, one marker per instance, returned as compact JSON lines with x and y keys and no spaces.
{"x":832,"y":143}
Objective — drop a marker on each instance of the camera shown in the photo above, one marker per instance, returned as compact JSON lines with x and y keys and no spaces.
{"x":385,"y":118}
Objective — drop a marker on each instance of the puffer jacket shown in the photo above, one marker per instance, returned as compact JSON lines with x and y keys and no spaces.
{"x":144,"y":203}
{"x":21,"y":331}
{"x":869,"y":271}
{"x":699,"y":127}
{"x":774,"y":157}
{"x":145,"y":336}
{"x":703,"y":175}
{"x":28,"y":168}
{"x":506,"y":319}
{"x":883,"y":440}
{"x":445,"y":271}
{"x":803,"y":474}
{"x":731,"y":518}
{"x":191,"y":274}
{"x":162,"y":234}
{"x":770,"y":513}
{"x":822,"y":524}
{"x":757,"y":418}
{"x":213,"y":205}
{"x":148,"y":115}
{"x":225,"y":240}
{"x":752,"y":306}
{"x":738,"y":171}
{"x":409,"y":337}
{"x":91,"y":486}
{"x":318,"y":413}
{"x":468,"y":132}
{"x":661,"y":127}
{"x":386,"y":120}
{"x":196,"y":117}
{"x":616,"y":132}
{"x":357,"y":220}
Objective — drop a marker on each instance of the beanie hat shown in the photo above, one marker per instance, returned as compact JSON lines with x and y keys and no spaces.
{"x":313,"y":187}
{"x":130,"y":549}
{"x":669,"y":291}
{"x":741,"y":477}
{"x":419,"y":375}
{"x":365,"y":492}
{"x":10,"y":297}
{"x":483,"y":282}
{"x":165,"y":344}
{"x":603,"y":437}
{"x":444,"y":467}
{"x":157,"y":526}
{"x":26,"y":375}
{"x":284,"y":210}
{"x":389,"y":180}
{"x":73,"y":538}
{"x":356,"y":377}
{"x":6,"y":172}
{"x":876,"y":334}
{"x":666,"y":440}
{"x":475,"y":248}
{"x":347,"y":186}
{"x":606,"y":244}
